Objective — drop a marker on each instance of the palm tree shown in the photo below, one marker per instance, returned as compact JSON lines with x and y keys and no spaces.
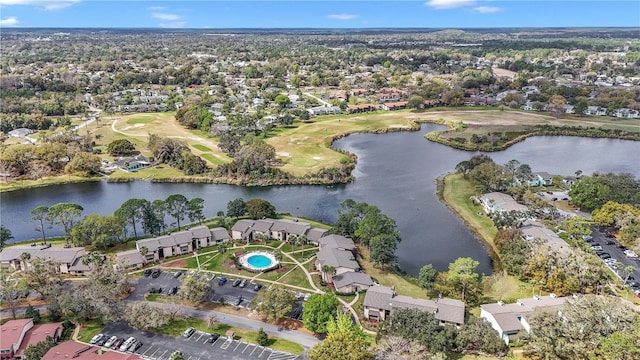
{"x":328,"y":270}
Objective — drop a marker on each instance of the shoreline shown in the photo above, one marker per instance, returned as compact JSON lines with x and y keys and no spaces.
{"x":415,"y":125}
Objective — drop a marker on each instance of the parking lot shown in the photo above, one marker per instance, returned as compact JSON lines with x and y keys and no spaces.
{"x":611,"y":247}
{"x":195,"y":347}
{"x":167,"y":281}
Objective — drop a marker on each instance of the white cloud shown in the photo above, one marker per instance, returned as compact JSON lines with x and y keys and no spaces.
{"x":487,"y":9}
{"x":165,"y":16}
{"x":46,"y":4}
{"x":449,"y":4}
{"x":342,"y":16}
{"x":156,"y":8}
{"x":175,"y":24}
{"x":10,"y":21}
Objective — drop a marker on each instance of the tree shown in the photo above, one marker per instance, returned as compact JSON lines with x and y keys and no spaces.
{"x":44,"y":276}
{"x":327,"y":272}
{"x":621,"y":345}
{"x":589,"y":193}
{"x":236,"y":208}
{"x":39,"y":214}
{"x":194,"y":289}
{"x":195,"y":211}
{"x":491,"y":176}
{"x":282,"y":100}
{"x":177,"y":206}
{"x":97,"y":230}
{"x":383,"y":249}
{"x":318,"y":310}
{"x":32,"y":313}
{"x":478,"y":335}
{"x":259,"y":208}
{"x":149,"y":220}
{"x":275,"y":303}
{"x":565,"y":337}
{"x":38,"y":350}
{"x":8,"y":289}
{"x":131,"y":211}
{"x":263,"y":339}
{"x":577,"y":227}
{"x":120,"y":147}
{"x":84,"y":163}
{"x":453,"y":98}
{"x":143,"y":315}
{"x":54,"y":312}
{"x":65,"y":215}
{"x":176,"y":355}
{"x":421,"y":326}
{"x":556,"y":105}
{"x":415,"y":102}
{"x":344,"y":341}
{"x":427,"y":277}
{"x":464,"y":279}
{"x":5,"y":236}
{"x":580,"y":107}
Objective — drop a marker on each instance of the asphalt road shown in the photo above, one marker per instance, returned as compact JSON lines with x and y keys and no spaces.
{"x":616,"y":253}
{"x":194,"y":347}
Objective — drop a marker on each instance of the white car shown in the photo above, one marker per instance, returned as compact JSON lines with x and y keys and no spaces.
{"x":96,"y":338}
{"x":110,"y":341}
{"x":125,"y":345}
{"x":630,"y":254}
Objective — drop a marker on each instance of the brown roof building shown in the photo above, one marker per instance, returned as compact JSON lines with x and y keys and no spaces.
{"x":79,"y":351}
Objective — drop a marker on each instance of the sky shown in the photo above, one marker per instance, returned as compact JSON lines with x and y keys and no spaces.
{"x":318,"y":14}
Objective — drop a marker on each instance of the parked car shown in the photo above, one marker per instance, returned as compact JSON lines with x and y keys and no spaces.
{"x":187,"y":333}
{"x":596,"y":247}
{"x":156,"y":273}
{"x":147,"y":272}
{"x":587,"y":237}
{"x":212,"y":337}
{"x":177,"y":274}
{"x":605,"y":256}
{"x":174,"y":290}
{"x":243,"y":283}
{"x":117,"y":343}
{"x":135,"y":346}
{"x":222,"y":281}
{"x":110,"y":342}
{"x":257,"y":287}
{"x":96,"y":338}
{"x":610,"y":236}
{"x":610,"y":242}
{"x":236,"y":282}
{"x":550,"y":192}
{"x":125,"y":345}
{"x":103,"y":340}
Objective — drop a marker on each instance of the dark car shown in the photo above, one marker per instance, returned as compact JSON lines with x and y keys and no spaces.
{"x":212,"y":338}
{"x":147,"y":272}
{"x":156,"y":273}
{"x":103,"y":340}
{"x":173,"y":291}
{"x":610,"y":236}
{"x":610,"y":242}
{"x":605,"y":256}
{"x":117,"y":344}
{"x":222,"y":281}
{"x":236,"y":282}
{"x":257,"y":287}
{"x":634,"y":284}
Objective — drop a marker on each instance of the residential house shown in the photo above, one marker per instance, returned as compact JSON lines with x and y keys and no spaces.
{"x":131,"y":259}
{"x":17,"y":335}
{"x":626,"y":113}
{"x":534,"y":230}
{"x":283,"y":229}
{"x":352,"y":282}
{"x":398,"y":105}
{"x":132,"y":163}
{"x":314,"y":234}
{"x":241,"y":230}
{"x":380,"y":302}
{"x":500,"y":202}
{"x":595,"y":110}
{"x":39,"y":333}
{"x":511,"y":321}
{"x":568,"y":181}
{"x":20,"y":132}
{"x":324,"y":110}
{"x":66,"y":258}
{"x":334,"y":241}
{"x":361,"y":108}
{"x":81,"y":351}
{"x":342,"y":261}
{"x":540,"y":179}
{"x":180,"y":243}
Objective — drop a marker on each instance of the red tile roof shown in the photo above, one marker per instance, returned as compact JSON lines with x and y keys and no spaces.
{"x":39,"y":333}
{"x":10,"y":332}
{"x":79,"y":351}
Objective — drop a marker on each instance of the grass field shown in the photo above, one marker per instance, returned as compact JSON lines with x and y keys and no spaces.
{"x":387,"y":278}
{"x":201,"y":147}
{"x":142,"y":119}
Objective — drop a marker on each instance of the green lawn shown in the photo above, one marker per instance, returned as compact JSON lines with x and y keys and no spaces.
{"x":140,"y":119}
{"x":211,"y":158}
{"x":403,"y":285}
{"x":297,"y":277}
{"x":89,"y":329}
{"x":201,"y":147}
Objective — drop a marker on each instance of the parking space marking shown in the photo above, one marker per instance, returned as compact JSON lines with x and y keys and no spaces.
{"x":163,"y":354}
{"x":226,"y":344}
{"x":256,"y":348}
{"x":214,"y":343}
{"x":246,"y":347}
{"x":278,"y":355}
{"x":239,"y":342}
{"x":263,"y":350}
{"x":154,"y":353}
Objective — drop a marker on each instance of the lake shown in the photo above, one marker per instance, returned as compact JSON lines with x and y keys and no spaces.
{"x":396,"y":172}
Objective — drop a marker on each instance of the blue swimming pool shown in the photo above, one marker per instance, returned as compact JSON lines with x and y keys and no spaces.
{"x":259,"y":261}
